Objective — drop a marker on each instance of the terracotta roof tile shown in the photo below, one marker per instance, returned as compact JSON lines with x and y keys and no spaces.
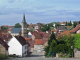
{"x":75,"y":29}
{"x":31,"y":42}
{"x":46,"y":35}
{"x":40,"y":42}
{"x":62,"y":22}
{"x":67,"y":32}
{"x":10,"y":29}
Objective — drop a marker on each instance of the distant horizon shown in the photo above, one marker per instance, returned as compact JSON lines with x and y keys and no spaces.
{"x":44,"y":11}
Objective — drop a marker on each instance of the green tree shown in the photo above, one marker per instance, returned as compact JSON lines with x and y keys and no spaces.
{"x":77,"y":41}
{"x":70,"y":24}
{"x":79,"y":22}
{"x":3,"y":28}
{"x":75,"y":24}
{"x":17,"y":25}
{"x":51,"y":43}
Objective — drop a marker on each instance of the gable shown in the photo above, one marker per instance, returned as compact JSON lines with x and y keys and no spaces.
{"x":14,"y":41}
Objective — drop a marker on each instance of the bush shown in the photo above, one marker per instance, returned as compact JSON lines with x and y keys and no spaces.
{"x":2,"y":56}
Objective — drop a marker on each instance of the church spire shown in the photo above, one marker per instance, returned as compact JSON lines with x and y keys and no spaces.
{"x":24,"y":19}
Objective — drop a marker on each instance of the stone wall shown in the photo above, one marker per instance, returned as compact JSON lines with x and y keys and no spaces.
{"x":77,"y":53}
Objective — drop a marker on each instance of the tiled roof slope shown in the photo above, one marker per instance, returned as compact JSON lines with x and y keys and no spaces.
{"x":21,"y":40}
{"x":75,"y":29}
{"x":16,"y":30}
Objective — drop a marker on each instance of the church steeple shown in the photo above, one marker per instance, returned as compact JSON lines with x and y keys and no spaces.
{"x":24,"y":20}
{"x":24,"y":27}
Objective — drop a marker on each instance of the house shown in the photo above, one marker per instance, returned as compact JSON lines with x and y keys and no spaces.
{"x":38,"y":30}
{"x":67,"y":32}
{"x":37,"y":27}
{"x":6,"y":37}
{"x":46,"y":36}
{"x":18,"y":46}
{"x":55,"y":31}
{"x":9,"y":30}
{"x":60,"y":30}
{"x":31,"y":43}
{"x":63,"y":23}
{"x":3,"y":47}
{"x":15,"y":31}
{"x":39,"y":45}
{"x":31,"y":26}
{"x":76,"y":29}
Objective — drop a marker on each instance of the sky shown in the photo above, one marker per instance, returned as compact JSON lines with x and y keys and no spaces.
{"x":44,"y":11}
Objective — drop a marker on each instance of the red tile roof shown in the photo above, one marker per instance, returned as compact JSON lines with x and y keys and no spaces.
{"x":10,"y":29}
{"x":67,"y":32}
{"x":41,"y":34}
{"x":7,"y":26}
{"x":63,"y":23}
{"x":40,"y":42}
{"x":5,"y":36}
{"x":46,"y":35}
{"x":36,"y":34}
{"x":39,"y":30}
{"x":31,"y":25}
{"x":75,"y":29}
{"x":31,"y":42}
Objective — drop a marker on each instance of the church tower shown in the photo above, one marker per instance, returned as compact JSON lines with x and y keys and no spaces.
{"x":24,"y":27}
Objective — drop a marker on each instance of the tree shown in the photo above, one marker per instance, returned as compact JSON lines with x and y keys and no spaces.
{"x":70,"y":24}
{"x":66,"y":23}
{"x":51,"y":43}
{"x":79,"y":22}
{"x":77,"y":41}
{"x":3,"y":28}
{"x":17,"y":25}
{"x":75,"y":24}
{"x":65,"y":44}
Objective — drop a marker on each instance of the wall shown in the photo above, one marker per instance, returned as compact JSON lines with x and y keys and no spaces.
{"x":14,"y":34}
{"x":38,"y":48}
{"x":15,"y":47}
{"x":76,"y":53}
{"x":24,"y":50}
{"x":29,"y":35}
{"x":78,"y":31}
{"x":3,"y":50}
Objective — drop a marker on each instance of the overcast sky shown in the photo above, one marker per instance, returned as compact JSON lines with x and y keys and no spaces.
{"x":44,"y":11}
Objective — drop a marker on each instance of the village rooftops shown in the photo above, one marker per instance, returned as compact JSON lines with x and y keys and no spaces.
{"x":75,"y":29}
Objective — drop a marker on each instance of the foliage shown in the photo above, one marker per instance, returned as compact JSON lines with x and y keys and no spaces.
{"x":51,"y":43}
{"x":3,"y":28}
{"x":77,"y":41}
{"x":75,"y":24}
{"x":2,"y":56}
{"x":27,"y":25}
{"x":46,"y":28}
{"x":17,"y":25}
{"x":62,"y":44}
{"x":69,"y":23}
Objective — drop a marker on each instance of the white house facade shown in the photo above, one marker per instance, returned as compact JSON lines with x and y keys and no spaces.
{"x":16,"y":47}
